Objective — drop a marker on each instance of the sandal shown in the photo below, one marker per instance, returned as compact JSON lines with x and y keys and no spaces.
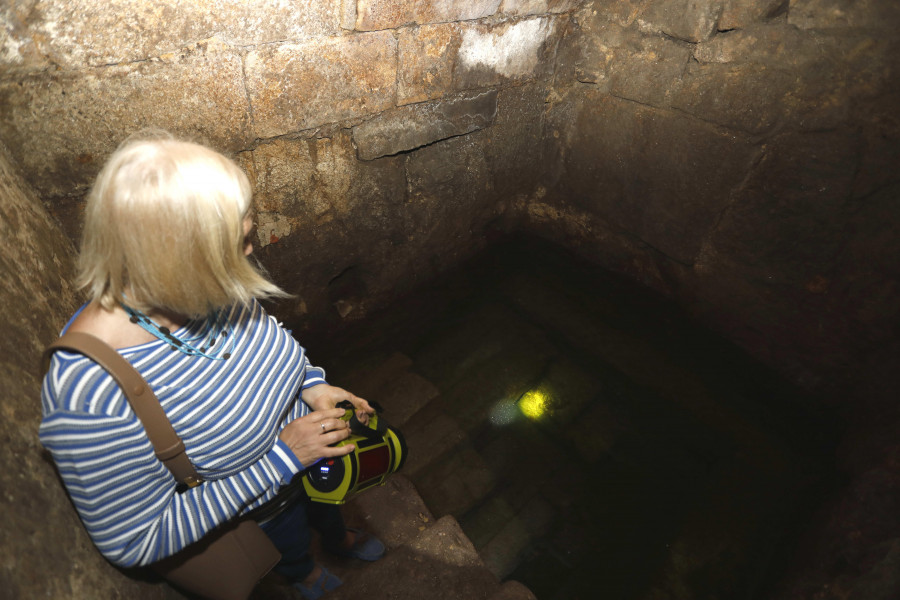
{"x":326,"y":582}
{"x":365,"y":547}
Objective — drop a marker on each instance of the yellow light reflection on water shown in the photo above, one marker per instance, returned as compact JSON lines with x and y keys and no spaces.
{"x":534,"y":404}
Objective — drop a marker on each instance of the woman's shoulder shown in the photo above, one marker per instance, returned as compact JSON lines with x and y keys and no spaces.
{"x":75,"y":383}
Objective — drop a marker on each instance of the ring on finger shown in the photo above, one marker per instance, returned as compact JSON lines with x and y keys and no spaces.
{"x":322,"y":423}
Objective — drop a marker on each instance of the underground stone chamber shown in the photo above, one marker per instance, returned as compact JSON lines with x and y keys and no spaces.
{"x":593,"y":440}
{"x":734,"y":160}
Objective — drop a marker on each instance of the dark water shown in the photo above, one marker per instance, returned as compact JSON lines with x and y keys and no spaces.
{"x":593,"y":441}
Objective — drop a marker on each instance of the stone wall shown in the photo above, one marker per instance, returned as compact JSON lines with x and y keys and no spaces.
{"x":379,"y":133}
{"x":45,"y":550}
{"x":739,"y":156}
{"x":733,"y":154}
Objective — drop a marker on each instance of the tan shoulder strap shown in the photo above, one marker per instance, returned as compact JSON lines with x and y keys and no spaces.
{"x":168,"y":446}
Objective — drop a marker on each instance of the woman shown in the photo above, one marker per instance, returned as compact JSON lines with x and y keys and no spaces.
{"x":164,"y":259}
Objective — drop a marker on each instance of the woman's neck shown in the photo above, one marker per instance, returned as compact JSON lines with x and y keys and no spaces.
{"x":167,"y":318}
{"x":116,"y":328}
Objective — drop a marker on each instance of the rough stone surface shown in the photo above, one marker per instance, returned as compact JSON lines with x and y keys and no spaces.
{"x":388,"y":14}
{"x":511,"y":51}
{"x":312,"y":192}
{"x":443,"y":58}
{"x":293,"y":87}
{"x":648,"y":70}
{"x":427,"y":60}
{"x":40,"y":530}
{"x":516,"y":142}
{"x":737,"y":80}
{"x":807,"y":236}
{"x":739,"y":156}
{"x":61,"y":126}
{"x":621,"y":12}
{"x":513,"y":590}
{"x":688,"y":20}
{"x":827,"y":14}
{"x":394,"y":511}
{"x":648,"y":162}
{"x":82,"y":33}
{"x":449,"y":182}
{"x":440,"y":560}
{"x":737,"y":14}
{"x":412,"y":127}
{"x":523,"y":8}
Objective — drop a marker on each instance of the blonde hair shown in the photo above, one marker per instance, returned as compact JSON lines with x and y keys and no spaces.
{"x":164,"y":225}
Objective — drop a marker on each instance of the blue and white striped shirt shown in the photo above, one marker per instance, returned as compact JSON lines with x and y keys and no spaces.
{"x":228,"y":413}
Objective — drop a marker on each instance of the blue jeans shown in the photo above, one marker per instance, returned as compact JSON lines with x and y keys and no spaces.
{"x":290,"y":533}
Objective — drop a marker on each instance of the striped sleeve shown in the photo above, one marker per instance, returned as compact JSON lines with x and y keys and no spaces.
{"x":312,"y":375}
{"x":126,"y":497}
{"x":229,"y":415}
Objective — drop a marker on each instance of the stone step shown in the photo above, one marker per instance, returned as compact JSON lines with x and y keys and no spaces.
{"x":440,"y":563}
{"x":513,"y":590}
{"x":395,"y":512}
{"x":426,"y":558}
{"x":516,"y":533}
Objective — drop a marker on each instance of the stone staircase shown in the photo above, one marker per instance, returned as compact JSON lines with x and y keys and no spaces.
{"x":427,"y":557}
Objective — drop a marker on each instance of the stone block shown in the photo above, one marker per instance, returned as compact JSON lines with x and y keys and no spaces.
{"x":374,"y":15}
{"x":775,"y":220}
{"x":455,"y":168}
{"x":516,"y":141}
{"x":688,"y":20}
{"x":739,"y":14}
{"x":429,"y":436}
{"x":524,"y":8}
{"x":486,"y":520}
{"x":62,"y":126}
{"x":658,"y":163}
{"x":831,"y":14}
{"x":409,"y":393}
{"x":510,"y":51}
{"x":440,"y":565}
{"x":772,"y":258}
{"x":769,"y":44}
{"x":513,"y":590}
{"x":293,"y":87}
{"x":621,"y":12}
{"x":746,"y":97}
{"x":80,"y":33}
{"x":394,"y":512}
{"x":411,"y":127}
{"x":313,"y":182}
{"x":19,"y":50}
{"x":437,"y":60}
{"x":503,"y":553}
{"x":591,"y":44}
{"x":447,"y":542}
{"x":450,"y":181}
{"x":427,"y":56}
{"x":646,"y":69}
{"x":773,"y":75}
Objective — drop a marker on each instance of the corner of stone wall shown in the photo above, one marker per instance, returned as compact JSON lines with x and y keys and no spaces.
{"x":44,"y":550}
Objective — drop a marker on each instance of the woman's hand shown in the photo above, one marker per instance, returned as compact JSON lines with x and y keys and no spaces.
{"x":324,"y":397}
{"x":311,"y":437}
